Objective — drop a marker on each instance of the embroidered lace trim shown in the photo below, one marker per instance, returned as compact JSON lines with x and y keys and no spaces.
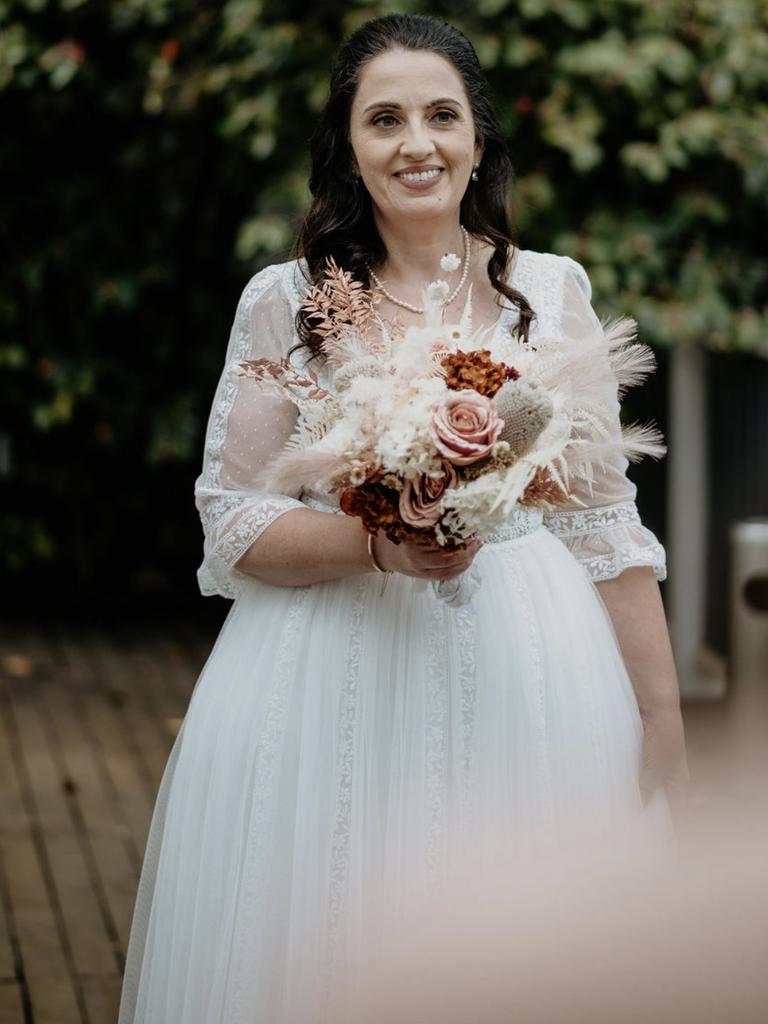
{"x":607,"y":567}
{"x":608,"y":540}
{"x":569,"y":522}
{"x":217,"y":575}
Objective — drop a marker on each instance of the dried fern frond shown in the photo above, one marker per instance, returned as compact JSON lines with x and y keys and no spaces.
{"x":284,"y":379}
{"x":339,"y":302}
{"x":543,"y":491}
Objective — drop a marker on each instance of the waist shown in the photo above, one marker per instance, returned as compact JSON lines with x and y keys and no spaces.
{"x":522,"y":521}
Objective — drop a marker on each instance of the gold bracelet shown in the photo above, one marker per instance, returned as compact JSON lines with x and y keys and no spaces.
{"x":386,"y":573}
{"x":374,"y":560}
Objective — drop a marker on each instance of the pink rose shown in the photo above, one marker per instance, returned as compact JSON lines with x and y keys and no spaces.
{"x":465,"y":426}
{"x":420,"y":498}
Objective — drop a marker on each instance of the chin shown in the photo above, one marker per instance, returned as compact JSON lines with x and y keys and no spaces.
{"x":424,"y":208}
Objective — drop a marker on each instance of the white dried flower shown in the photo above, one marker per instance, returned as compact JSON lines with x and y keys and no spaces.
{"x":437,"y":292}
{"x":450,"y":262}
{"x":357,"y":474}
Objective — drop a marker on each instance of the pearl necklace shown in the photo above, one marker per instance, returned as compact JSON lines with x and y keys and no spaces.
{"x":454,"y":293}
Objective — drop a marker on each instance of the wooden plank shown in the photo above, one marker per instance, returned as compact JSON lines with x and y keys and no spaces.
{"x":69,"y":855}
{"x":188,"y":649}
{"x":124,"y":692}
{"x":42,"y":942}
{"x":161,"y":677}
{"x":144,"y":707}
{"x":7,"y":957}
{"x":102,"y":997}
{"x":11,"y":1004}
{"x":115,"y":859}
{"x":131,"y":785}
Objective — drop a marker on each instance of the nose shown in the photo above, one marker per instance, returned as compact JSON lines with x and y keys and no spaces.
{"x":417,"y":142}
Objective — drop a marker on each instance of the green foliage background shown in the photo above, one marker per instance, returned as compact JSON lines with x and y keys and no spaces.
{"x":154,"y":155}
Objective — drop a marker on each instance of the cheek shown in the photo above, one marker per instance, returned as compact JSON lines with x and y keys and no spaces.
{"x":372,"y":160}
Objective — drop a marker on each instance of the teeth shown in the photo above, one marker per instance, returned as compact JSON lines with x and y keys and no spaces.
{"x":420,"y":175}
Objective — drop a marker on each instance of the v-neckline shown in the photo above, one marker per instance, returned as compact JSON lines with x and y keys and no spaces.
{"x":505,"y":310}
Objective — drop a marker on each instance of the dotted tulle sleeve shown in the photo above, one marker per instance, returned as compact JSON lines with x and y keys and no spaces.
{"x":246,"y":428}
{"x":607,"y":536}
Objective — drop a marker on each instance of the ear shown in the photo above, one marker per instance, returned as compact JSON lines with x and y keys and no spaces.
{"x":479,"y":150}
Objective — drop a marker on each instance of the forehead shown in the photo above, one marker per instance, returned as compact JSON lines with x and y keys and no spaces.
{"x":408,"y":77}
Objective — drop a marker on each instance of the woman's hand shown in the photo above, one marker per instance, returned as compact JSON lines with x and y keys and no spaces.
{"x":424,"y":561}
{"x":664,"y":761}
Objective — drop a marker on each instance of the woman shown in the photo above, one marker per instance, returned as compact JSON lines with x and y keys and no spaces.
{"x":345,"y":740}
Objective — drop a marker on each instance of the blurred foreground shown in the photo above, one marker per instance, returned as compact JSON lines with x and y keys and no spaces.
{"x":605,"y":930}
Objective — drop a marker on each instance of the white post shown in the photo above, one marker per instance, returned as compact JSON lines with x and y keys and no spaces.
{"x":687,"y":518}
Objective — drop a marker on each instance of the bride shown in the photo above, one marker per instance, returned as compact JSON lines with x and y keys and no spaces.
{"x":347,"y":740}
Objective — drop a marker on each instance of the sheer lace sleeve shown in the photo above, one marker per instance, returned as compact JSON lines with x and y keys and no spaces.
{"x":246,"y":428}
{"x":607,"y":536}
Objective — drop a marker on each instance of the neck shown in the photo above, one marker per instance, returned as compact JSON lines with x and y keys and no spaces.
{"x":414,"y":250}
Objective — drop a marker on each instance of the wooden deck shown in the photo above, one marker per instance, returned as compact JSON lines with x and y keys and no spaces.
{"x":87,"y":719}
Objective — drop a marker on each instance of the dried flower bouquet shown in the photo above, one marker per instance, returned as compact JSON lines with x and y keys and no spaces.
{"x":426,"y":435}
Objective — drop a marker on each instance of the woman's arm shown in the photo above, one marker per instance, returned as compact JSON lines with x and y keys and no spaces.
{"x":306,"y":546}
{"x":633,"y":601}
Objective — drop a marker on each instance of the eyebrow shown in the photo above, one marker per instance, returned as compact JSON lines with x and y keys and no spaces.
{"x":392,"y":105}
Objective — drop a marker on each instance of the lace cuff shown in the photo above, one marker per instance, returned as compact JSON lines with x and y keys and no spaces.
{"x":224,"y":546}
{"x":607,"y":540}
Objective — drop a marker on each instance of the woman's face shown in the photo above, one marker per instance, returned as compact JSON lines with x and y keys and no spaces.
{"x":413,"y":135}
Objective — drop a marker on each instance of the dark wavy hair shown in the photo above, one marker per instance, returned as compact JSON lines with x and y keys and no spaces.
{"x":340,"y":220}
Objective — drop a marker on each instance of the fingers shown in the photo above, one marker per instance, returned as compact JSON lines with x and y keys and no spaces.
{"x":445,"y":571}
{"x":429,"y":558}
{"x":424,"y":560}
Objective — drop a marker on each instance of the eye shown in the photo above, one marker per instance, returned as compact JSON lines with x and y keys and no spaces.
{"x":384,"y":121}
{"x":444,"y":116}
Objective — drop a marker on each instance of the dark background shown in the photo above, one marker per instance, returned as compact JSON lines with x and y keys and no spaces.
{"x":154,"y":155}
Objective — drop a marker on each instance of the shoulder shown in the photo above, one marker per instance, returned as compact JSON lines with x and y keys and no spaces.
{"x":283,"y":281}
{"x":548,"y":269}
{"x":545,"y":279}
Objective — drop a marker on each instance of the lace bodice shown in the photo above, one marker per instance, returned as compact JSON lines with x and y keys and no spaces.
{"x":246,"y":428}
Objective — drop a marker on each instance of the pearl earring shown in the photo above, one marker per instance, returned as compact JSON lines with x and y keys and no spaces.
{"x":474,"y":172}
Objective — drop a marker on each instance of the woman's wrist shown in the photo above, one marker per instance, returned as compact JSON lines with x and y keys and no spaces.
{"x":373,"y":554}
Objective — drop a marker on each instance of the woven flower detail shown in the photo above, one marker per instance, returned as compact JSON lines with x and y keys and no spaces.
{"x":450,"y":262}
{"x":526,"y":410}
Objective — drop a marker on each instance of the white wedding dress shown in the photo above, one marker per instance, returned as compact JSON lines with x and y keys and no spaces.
{"x":343,"y":743}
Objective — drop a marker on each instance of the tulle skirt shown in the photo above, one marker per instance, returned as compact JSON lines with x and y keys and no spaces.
{"x":344,"y":748}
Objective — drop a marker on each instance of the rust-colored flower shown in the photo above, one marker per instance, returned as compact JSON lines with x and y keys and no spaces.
{"x":476,"y":371}
{"x":379,"y":508}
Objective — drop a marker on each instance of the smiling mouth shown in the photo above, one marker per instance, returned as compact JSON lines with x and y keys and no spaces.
{"x":429,"y":175}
